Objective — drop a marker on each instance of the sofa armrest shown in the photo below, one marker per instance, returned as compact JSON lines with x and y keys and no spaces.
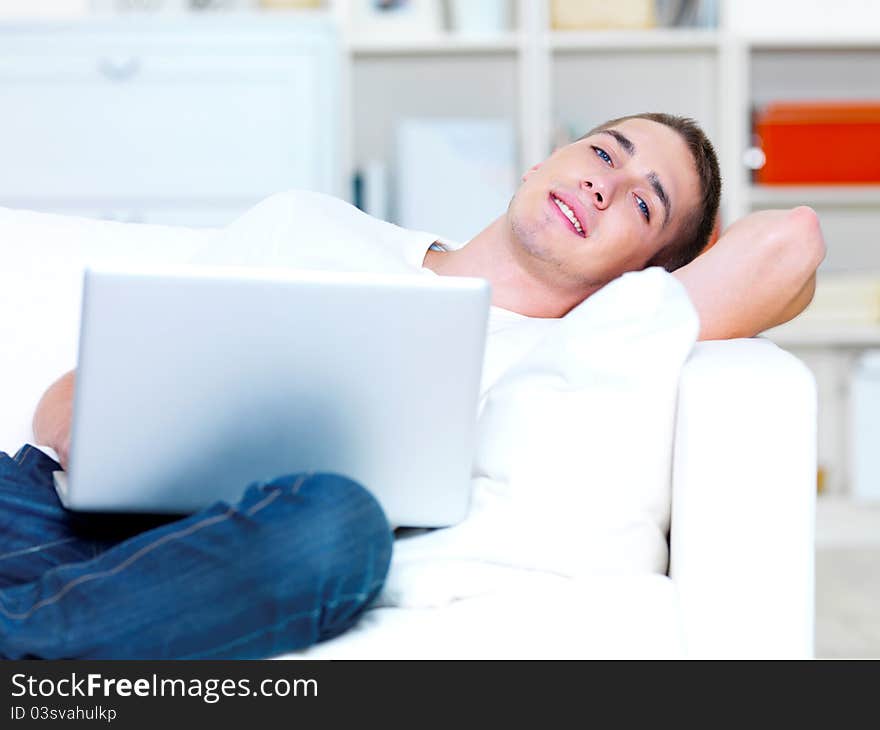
{"x":743,"y":501}
{"x":41,"y":276}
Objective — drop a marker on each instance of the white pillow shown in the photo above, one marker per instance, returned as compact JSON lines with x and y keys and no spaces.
{"x":572,"y":473}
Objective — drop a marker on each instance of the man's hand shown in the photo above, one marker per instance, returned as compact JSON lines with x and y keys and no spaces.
{"x":54,"y":417}
{"x":760,"y":273}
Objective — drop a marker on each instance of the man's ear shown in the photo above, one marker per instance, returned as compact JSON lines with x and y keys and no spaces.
{"x":533,"y":168}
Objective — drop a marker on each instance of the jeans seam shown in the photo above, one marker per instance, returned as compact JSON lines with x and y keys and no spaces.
{"x":25,"y":453}
{"x":263,"y":503}
{"x":136,"y":556}
{"x":276,"y":492}
{"x":37,"y":548}
{"x":300,"y":482}
{"x":87,"y":577}
{"x":360,"y":596}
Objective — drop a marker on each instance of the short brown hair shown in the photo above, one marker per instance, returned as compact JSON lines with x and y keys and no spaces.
{"x":698,"y":226}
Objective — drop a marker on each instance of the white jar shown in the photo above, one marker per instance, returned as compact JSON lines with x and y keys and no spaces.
{"x":865,"y":428}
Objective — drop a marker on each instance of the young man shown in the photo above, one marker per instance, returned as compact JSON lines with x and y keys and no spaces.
{"x":297,"y":559}
{"x":644,"y":191}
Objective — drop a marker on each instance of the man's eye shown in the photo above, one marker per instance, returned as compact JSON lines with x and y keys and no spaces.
{"x":643,"y":206}
{"x":603,"y":155}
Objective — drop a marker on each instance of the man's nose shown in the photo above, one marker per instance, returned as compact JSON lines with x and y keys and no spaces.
{"x":600,"y":189}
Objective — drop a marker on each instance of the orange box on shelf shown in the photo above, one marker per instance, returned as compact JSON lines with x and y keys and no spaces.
{"x":819,"y":143}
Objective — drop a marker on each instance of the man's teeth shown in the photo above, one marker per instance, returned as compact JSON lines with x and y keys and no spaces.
{"x":569,"y":213}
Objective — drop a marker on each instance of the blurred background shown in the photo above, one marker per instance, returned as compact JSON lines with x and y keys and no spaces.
{"x":187,"y":112}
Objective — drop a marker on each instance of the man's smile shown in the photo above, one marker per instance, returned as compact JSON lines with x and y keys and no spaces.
{"x":569,"y":215}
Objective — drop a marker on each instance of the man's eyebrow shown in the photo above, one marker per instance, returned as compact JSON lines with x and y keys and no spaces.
{"x":661,"y":193}
{"x":624,"y":141}
{"x":630,"y":149}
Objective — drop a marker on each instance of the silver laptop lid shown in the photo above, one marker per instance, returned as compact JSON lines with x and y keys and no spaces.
{"x":195,"y":382}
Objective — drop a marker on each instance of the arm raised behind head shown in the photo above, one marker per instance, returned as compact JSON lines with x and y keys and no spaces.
{"x":760,"y":273}
{"x":54,"y":416}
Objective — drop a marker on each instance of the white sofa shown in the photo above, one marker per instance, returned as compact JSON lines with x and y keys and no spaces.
{"x":740,"y":582}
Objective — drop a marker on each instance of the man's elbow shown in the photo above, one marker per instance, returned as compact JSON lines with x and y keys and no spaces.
{"x":800,"y":242}
{"x":799,"y":249}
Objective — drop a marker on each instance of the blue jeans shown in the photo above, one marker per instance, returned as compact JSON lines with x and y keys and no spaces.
{"x":293,"y":562}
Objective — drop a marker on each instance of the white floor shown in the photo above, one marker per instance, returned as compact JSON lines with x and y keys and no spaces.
{"x":847,"y":579}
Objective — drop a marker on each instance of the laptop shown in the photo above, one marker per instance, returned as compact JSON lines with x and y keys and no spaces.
{"x":195,"y":382}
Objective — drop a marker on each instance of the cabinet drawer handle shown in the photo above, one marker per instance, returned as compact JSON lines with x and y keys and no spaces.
{"x":119,"y":69}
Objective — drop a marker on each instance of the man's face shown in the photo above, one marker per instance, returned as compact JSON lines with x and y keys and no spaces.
{"x":628,"y":189}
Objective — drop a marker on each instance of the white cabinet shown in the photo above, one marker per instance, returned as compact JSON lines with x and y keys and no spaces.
{"x":186,"y":120}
